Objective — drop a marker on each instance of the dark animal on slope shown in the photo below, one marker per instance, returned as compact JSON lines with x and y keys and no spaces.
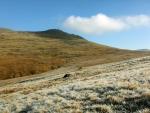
{"x":66,"y":75}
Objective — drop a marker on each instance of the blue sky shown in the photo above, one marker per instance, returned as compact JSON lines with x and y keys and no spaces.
{"x":34,"y":15}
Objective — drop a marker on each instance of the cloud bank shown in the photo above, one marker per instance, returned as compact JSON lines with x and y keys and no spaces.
{"x":102,"y":23}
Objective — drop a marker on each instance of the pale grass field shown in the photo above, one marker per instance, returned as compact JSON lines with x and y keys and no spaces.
{"x":122,"y":87}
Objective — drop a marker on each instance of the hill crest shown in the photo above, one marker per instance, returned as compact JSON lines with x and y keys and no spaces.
{"x":57,"y":33}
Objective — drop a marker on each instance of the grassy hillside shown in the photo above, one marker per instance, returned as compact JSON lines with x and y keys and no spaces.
{"x":27,"y":53}
{"x":121,"y":87}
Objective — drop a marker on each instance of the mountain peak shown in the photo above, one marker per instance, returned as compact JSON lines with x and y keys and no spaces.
{"x":57,"y":33}
{"x":53,"y":30}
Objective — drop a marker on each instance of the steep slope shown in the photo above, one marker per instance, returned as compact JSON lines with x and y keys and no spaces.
{"x":28,"y":53}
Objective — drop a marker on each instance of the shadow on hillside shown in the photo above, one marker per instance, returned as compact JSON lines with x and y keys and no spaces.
{"x":128,"y":104}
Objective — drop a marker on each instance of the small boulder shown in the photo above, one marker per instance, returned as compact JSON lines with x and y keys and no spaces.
{"x":66,"y":75}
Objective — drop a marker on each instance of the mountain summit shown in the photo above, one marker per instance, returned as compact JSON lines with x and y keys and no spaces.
{"x":56,"y":33}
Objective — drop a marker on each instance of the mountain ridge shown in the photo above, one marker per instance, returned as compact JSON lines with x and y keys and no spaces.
{"x":55,"y":33}
{"x":148,"y":50}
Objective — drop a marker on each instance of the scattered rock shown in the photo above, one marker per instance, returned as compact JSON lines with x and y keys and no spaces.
{"x":66,"y":75}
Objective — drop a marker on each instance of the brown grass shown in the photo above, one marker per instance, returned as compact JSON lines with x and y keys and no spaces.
{"x":12,"y":67}
{"x":23,"y":54}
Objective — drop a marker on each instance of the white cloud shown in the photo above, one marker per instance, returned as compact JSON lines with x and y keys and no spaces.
{"x":102,"y":23}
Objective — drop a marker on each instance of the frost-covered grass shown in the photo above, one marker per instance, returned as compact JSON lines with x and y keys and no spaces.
{"x":122,"y":87}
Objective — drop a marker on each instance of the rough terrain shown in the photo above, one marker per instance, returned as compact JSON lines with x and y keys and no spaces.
{"x":122,"y":87}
